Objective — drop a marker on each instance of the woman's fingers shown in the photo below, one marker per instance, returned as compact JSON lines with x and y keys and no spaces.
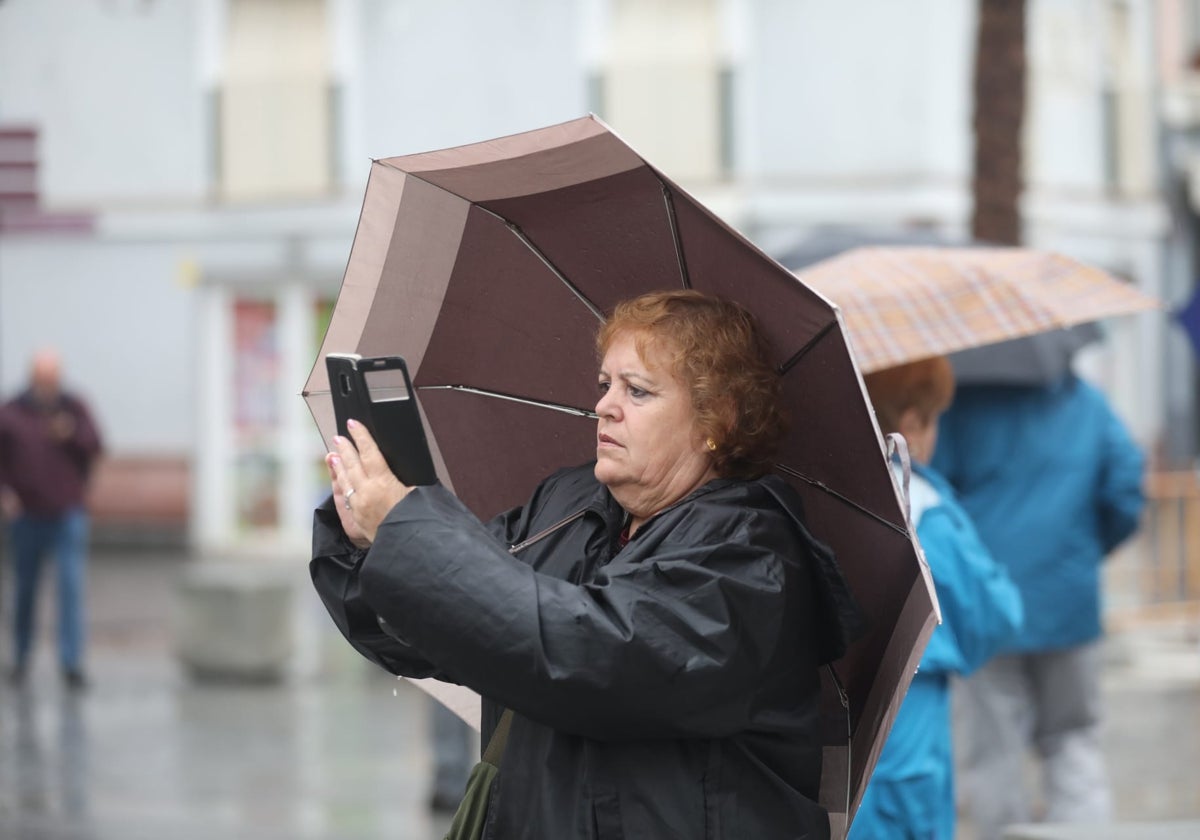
{"x":368,"y":487}
{"x":345,"y":514}
{"x":338,"y":464}
{"x":333,"y":461}
{"x":361,"y":458}
{"x":370,"y":458}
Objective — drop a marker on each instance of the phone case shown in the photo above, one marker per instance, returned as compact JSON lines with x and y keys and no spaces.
{"x":377,"y":392}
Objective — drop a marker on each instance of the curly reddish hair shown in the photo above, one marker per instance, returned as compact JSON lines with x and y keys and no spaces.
{"x":926,"y":386}
{"x":716,"y":349}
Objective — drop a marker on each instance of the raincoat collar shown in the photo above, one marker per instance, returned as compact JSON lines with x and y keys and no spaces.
{"x":604,"y":504}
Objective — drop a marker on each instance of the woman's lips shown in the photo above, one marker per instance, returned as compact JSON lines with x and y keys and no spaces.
{"x":605,"y":440}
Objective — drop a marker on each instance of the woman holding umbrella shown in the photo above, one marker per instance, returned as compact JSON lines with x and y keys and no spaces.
{"x":654,"y":620}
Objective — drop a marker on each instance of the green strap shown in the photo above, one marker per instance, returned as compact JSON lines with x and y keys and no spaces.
{"x":499,"y":739}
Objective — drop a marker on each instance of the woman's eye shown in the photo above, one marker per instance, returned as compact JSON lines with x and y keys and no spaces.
{"x":637,"y":392}
{"x":603,"y":387}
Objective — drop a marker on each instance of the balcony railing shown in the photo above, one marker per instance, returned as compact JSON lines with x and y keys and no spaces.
{"x":1157,"y":574}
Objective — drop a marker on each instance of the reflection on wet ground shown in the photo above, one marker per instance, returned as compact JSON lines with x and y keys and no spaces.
{"x":340,"y":750}
{"x":336,"y":750}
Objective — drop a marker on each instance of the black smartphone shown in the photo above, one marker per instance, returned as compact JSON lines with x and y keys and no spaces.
{"x":377,"y":392}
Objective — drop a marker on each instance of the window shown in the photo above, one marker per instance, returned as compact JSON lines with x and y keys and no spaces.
{"x":274,"y":109}
{"x":665,"y":86}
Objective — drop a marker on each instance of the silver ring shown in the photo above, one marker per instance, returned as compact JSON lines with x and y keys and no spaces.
{"x":348,"y":495}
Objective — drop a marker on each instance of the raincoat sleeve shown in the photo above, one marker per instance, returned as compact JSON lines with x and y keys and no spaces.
{"x":335,"y":575}
{"x":670,"y":647}
{"x":1119,"y":494}
{"x":981,"y":606}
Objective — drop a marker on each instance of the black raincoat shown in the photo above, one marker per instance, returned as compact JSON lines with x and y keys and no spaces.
{"x":667,"y":689}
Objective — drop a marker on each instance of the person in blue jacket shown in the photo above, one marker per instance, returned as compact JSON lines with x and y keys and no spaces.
{"x":1053,"y":482}
{"x":911,"y":793}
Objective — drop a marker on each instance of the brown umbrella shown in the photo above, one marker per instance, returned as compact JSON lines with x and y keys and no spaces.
{"x":489,"y":267}
{"x":902,"y":304}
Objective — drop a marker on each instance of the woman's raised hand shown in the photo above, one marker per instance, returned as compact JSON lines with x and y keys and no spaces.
{"x":364,"y":489}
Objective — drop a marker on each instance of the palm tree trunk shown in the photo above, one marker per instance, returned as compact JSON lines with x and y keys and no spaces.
{"x":999,"y":112}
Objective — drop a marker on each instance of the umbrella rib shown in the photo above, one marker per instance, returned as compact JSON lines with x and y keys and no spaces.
{"x":820,"y":485}
{"x":595,"y":310}
{"x":844,"y":699}
{"x":499,"y":395}
{"x":808,"y":345}
{"x":669,"y":198}
{"x":528,"y":243}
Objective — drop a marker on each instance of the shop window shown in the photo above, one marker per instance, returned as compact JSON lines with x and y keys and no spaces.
{"x":256,"y":367}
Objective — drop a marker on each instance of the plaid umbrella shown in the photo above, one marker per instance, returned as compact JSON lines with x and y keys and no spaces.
{"x":903,"y":304}
{"x":489,"y":267}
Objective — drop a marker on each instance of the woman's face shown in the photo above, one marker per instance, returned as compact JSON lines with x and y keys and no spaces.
{"x":920,"y":433}
{"x":649,"y":451}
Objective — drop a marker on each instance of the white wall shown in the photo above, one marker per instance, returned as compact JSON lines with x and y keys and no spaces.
{"x":855,"y":114}
{"x":113,"y":88}
{"x":862,"y":92}
{"x":442,"y":74}
{"x":122,"y":319}
{"x":1064,"y":140}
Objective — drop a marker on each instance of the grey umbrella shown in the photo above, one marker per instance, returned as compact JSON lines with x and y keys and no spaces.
{"x":1039,"y":359}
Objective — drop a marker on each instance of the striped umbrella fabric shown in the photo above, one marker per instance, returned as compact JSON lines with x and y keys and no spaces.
{"x":901,"y":304}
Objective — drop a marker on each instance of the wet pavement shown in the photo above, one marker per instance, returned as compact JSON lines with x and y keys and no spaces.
{"x":337,"y":749}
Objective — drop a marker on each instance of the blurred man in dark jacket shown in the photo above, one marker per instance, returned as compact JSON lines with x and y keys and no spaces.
{"x":48,"y":444}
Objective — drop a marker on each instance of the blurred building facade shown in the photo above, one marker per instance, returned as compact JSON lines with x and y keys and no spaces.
{"x":180,"y":182}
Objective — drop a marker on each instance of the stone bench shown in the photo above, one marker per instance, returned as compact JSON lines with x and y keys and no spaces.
{"x":235,"y":619}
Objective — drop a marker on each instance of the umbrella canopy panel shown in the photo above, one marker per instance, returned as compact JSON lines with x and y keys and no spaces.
{"x":490,"y":331}
{"x":616,"y":241}
{"x":498,"y":443}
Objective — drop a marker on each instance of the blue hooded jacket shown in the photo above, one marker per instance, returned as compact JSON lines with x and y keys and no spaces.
{"x":1053,"y":482}
{"x":911,"y":792}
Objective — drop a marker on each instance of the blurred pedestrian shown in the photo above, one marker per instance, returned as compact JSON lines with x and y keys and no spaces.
{"x":1053,"y":482}
{"x":911,"y":792}
{"x":48,"y":444}
{"x":454,"y":754}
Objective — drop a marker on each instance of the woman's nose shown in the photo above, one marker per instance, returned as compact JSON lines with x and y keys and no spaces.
{"x":606,"y":406}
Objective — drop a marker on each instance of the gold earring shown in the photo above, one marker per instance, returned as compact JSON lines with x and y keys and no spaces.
{"x":711,"y":444}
